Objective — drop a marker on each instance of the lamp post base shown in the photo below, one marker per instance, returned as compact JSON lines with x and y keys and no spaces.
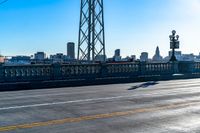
{"x":173,"y":58}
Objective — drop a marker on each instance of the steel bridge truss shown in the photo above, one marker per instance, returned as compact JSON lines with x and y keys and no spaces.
{"x":91,"y":43}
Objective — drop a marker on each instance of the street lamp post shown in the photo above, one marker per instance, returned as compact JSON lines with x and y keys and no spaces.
{"x":174,"y":44}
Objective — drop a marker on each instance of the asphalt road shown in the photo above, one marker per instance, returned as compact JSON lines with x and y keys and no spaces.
{"x":150,"y":107}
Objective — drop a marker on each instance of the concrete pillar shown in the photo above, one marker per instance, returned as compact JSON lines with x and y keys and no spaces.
{"x":191,"y":67}
{"x":186,"y":67}
{"x":175,"y":67}
{"x":142,"y":68}
{"x":56,"y":71}
{"x":104,"y":70}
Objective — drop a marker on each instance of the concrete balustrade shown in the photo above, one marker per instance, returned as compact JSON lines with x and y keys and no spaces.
{"x":22,"y":73}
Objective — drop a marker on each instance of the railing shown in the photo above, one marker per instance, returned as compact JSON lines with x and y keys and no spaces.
{"x":23,"y":73}
{"x":26,"y":73}
{"x":196,"y":67}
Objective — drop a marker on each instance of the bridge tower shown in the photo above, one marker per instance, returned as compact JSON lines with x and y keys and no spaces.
{"x":91,"y":42}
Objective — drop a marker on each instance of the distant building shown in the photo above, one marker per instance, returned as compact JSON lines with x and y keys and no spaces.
{"x":59,"y":58}
{"x":39,"y":56}
{"x":117,"y":52}
{"x":117,"y":56}
{"x":71,"y":50}
{"x":100,"y":58}
{"x":133,"y":57}
{"x":144,"y":57}
{"x":188,"y":57}
{"x":157,"y":57}
{"x":183,"y":57}
{"x":2,"y":59}
{"x":20,"y":60}
{"x":110,"y":59}
{"x":178,"y":55}
{"x":197,"y":58}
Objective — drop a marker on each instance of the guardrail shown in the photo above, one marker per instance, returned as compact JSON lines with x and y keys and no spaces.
{"x":21,"y":77}
{"x":22,"y":73}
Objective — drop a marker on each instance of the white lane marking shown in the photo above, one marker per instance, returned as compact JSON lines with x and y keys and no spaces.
{"x":66,"y":102}
{"x":45,"y":95}
{"x":93,"y":100}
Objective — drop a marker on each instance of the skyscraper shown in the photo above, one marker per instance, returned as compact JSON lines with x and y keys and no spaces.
{"x":71,"y":50}
{"x":157,"y":56}
{"x":117,"y":56}
{"x":117,"y":52}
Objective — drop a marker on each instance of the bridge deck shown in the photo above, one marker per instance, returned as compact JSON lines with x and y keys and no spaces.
{"x":163,"y":106}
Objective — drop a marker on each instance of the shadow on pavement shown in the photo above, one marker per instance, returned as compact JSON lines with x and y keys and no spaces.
{"x":144,"y":85}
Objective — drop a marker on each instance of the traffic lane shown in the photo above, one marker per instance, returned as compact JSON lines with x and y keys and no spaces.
{"x":43,"y":100}
{"x":156,"y":119}
{"x":86,"y":89}
{"x":108,"y":88}
{"x":40,"y":95}
{"x":83,"y":108}
{"x":142,"y":98}
{"x":43,"y":114}
{"x":109,"y":93}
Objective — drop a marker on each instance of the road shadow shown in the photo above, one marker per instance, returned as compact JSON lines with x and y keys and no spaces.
{"x":144,"y":85}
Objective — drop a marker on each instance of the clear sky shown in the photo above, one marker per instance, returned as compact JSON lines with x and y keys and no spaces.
{"x":28,"y":26}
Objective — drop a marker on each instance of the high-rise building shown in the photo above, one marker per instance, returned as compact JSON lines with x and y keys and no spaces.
{"x":117,"y":52}
{"x":71,"y":50}
{"x":144,"y":56}
{"x":157,"y":56}
{"x":117,"y":56}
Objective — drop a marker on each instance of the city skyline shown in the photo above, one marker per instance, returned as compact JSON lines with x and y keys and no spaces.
{"x":27,"y":27}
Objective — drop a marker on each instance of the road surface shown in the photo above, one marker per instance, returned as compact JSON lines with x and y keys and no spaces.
{"x":150,"y":107}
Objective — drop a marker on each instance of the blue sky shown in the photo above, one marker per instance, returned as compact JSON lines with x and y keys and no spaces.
{"x":28,"y":26}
